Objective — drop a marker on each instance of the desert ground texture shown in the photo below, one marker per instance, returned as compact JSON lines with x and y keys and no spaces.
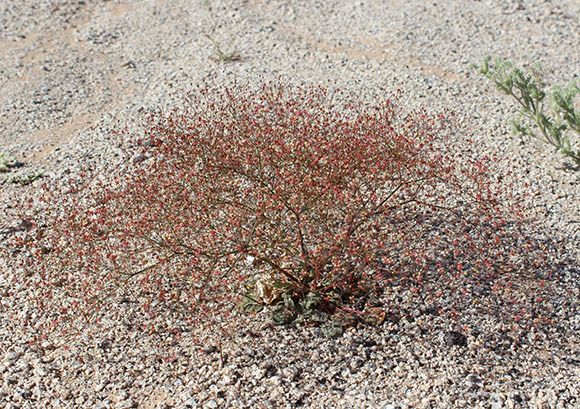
{"x":73,"y":71}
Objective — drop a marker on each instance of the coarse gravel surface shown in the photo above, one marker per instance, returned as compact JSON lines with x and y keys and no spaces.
{"x":72,"y":71}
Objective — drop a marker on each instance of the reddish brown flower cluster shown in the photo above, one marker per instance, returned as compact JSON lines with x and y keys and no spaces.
{"x":322,"y":198}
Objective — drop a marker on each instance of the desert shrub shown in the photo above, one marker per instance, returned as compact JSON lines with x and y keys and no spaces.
{"x":328,"y":202}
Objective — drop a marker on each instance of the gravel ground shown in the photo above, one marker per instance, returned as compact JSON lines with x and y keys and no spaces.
{"x":71,"y":71}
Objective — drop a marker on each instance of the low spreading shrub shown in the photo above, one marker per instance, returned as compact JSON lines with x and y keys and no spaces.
{"x":326,"y":203}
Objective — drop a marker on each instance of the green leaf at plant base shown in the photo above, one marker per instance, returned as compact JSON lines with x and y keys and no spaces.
{"x":250,"y":305}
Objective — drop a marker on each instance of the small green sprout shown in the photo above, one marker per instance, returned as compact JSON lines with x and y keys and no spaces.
{"x":26,"y":180}
{"x":221,"y":56}
{"x":4,"y":163}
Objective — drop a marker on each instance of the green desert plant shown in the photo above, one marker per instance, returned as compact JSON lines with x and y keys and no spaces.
{"x":528,"y":91}
{"x":6,"y":164}
{"x":219,"y":55}
{"x":27,"y":179}
{"x":3,"y":163}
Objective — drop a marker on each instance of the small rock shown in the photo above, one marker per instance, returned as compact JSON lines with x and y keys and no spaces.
{"x":455,"y":338}
{"x":497,"y":402}
{"x":126,"y":404}
{"x":100,"y":387}
{"x":356,"y":363}
{"x":209,"y":349}
{"x":212,"y":404}
{"x":191,"y":403}
{"x":40,"y":371}
{"x":12,"y":356}
{"x":65,"y":394}
{"x":122,"y":396}
{"x":139,"y":158}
